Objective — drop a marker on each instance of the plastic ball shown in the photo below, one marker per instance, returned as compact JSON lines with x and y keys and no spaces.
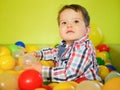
{"x":103,"y":71}
{"x":4,"y":51}
{"x":100,"y":61}
{"x":1,"y":71}
{"x":80,"y":79}
{"x":111,"y":75}
{"x":13,"y":47}
{"x":103,"y":47}
{"x":99,"y":83}
{"x":30,"y":79}
{"x":53,"y":84}
{"x":107,"y":54}
{"x":64,"y":86}
{"x":7,"y":62}
{"x":31,"y":48}
{"x":47,"y":63}
{"x":8,"y":82}
{"x":28,"y":58}
{"x":17,"y":53}
{"x":73,"y":83}
{"x":40,"y":89}
{"x":112,"y":84}
{"x":96,"y":35}
{"x":88,"y":85}
{"x":20,"y":43}
{"x":47,"y":87}
{"x":102,"y":55}
{"x":110,"y":67}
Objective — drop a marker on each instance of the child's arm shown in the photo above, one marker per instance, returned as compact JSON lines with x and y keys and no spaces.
{"x":46,"y":54}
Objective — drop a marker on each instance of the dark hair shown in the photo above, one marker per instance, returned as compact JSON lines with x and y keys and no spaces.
{"x":77,"y":8}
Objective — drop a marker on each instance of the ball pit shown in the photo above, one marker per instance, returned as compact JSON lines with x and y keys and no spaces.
{"x":13,"y":72}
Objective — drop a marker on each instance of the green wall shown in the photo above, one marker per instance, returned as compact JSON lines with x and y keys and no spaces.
{"x":35,"y":21}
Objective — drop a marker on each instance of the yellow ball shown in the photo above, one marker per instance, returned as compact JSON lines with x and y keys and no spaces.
{"x":31,"y":48}
{"x":112,"y":84}
{"x":96,"y":34}
{"x":52,"y":84}
{"x":104,"y":71}
{"x":47,"y":63}
{"x":51,"y":63}
{"x":64,"y":86}
{"x":1,"y":71}
{"x":73,"y":83}
{"x":4,"y":51}
{"x":7,"y":62}
{"x":101,"y":55}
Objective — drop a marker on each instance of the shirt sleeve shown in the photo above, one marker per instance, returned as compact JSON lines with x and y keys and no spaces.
{"x":47,"y":54}
{"x":79,"y":62}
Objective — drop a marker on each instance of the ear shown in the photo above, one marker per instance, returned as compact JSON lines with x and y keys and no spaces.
{"x":88,"y":29}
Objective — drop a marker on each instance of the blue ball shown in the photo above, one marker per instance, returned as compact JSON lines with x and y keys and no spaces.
{"x":20,"y":43}
{"x":111,"y":67}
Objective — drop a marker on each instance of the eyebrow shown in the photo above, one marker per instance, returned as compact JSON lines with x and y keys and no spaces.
{"x":65,"y":20}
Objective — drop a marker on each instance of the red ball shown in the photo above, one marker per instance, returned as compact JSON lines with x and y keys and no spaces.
{"x":103,"y":47}
{"x":81,"y":79}
{"x":30,"y":79}
{"x":47,"y":87}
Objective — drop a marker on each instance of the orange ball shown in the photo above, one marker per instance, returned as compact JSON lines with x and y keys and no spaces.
{"x":112,"y":84}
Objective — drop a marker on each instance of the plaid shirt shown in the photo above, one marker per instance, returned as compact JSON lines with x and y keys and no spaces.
{"x":71,"y":62}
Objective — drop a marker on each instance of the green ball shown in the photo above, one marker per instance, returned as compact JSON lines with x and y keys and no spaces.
{"x":100,"y":61}
{"x":107,"y":54}
{"x":13,"y":48}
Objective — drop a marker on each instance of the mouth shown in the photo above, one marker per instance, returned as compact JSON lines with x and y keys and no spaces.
{"x":69,"y":31}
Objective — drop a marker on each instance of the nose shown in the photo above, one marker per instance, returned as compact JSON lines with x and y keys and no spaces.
{"x":69,"y":25}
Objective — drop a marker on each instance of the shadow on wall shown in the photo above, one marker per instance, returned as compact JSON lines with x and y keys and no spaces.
{"x":115,"y":56}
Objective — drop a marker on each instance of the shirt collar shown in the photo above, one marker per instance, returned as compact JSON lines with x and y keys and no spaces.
{"x":81,"y":40}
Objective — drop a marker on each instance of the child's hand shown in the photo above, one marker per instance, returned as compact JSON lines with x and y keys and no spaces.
{"x":36,"y":66}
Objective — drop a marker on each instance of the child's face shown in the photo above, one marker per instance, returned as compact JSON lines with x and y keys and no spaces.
{"x":72,"y":25}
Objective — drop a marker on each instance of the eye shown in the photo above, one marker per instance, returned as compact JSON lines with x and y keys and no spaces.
{"x":76,"y":21}
{"x":64,"y":23}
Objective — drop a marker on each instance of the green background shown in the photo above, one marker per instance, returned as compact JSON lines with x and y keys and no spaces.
{"x":35,"y":21}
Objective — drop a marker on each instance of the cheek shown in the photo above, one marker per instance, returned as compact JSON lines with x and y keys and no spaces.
{"x":61,"y":32}
{"x":81,"y":33}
